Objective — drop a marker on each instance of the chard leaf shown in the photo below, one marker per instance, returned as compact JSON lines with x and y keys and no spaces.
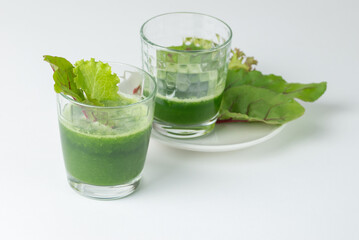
{"x":97,"y":81}
{"x":255,"y":104}
{"x":64,"y":77}
{"x":251,"y":96}
{"x":305,"y":92}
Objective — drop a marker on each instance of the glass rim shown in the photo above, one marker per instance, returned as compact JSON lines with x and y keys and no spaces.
{"x":146,"y":99}
{"x":143,"y":36}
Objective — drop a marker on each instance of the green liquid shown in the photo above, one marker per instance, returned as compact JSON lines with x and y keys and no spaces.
{"x":190,"y":83}
{"x":104,"y":160}
{"x":187,"y":112}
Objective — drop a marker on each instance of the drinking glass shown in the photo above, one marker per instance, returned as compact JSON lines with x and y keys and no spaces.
{"x":187,"y":54}
{"x":105,"y":148}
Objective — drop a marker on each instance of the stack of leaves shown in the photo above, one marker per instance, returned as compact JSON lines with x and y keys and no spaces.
{"x":251,"y":96}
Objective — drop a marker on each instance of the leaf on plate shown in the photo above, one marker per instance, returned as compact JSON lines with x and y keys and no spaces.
{"x":254,"y":104}
{"x":305,"y":92}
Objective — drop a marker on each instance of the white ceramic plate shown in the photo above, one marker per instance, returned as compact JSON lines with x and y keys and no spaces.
{"x":224,"y":137}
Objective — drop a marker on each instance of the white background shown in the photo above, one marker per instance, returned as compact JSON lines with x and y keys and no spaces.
{"x":302,"y":184}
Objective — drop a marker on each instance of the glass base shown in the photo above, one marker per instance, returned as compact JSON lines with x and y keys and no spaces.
{"x":104,"y":192}
{"x":184,"y":131}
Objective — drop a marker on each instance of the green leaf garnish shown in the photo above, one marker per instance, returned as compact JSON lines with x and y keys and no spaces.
{"x":96,"y":80}
{"x":64,"y":77}
{"x":240,"y":61}
{"x":305,"y":92}
{"x":88,"y":82}
{"x":251,"y":96}
{"x":254,"y":104}
{"x":194,"y":44}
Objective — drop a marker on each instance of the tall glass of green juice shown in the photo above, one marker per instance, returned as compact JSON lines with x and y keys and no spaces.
{"x":105,"y":148}
{"x":188,"y":54}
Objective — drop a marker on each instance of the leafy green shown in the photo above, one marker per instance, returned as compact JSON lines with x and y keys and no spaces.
{"x":97,"y":81}
{"x":240,"y":61}
{"x":194,"y":44}
{"x":255,"y":104}
{"x":89,"y":82}
{"x":185,"y":54}
{"x":64,"y":77}
{"x":251,"y":96}
{"x":305,"y":92}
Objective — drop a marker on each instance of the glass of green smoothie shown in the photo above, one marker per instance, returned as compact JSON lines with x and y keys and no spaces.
{"x":105,"y":146}
{"x":188,"y":54}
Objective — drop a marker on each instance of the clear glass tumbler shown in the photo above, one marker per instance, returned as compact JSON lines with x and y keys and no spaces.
{"x":105,"y":148}
{"x":188,"y":55}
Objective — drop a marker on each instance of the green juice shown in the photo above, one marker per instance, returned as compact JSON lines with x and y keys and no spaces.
{"x":187,"y":111}
{"x":104,"y":160}
{"x":190,"y":83}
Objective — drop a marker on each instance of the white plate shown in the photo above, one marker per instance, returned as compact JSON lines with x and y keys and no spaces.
{"x":224,"y":137}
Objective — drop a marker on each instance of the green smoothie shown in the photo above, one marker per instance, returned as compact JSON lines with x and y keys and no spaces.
{"x":105,"y":116}
{"x":104,"y":160}
{"x":190,"y":83}
{"x":187,"y":111}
